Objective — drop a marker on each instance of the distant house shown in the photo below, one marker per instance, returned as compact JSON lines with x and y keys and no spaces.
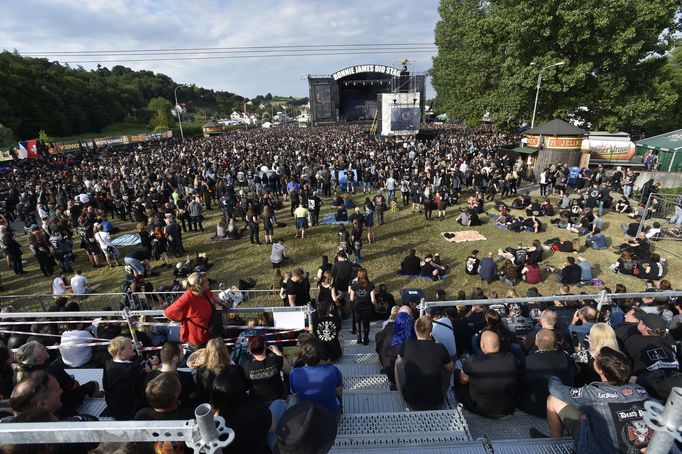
{"x":236,"y":116}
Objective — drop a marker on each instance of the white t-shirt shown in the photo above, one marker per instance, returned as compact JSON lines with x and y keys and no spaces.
{"x":58,"y":286}
{"x":79,"y":284}
{"x":75,"y":356}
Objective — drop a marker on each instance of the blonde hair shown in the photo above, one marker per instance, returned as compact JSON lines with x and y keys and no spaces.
{"x":194,"y":282}
{"x":117,"y":345}
{"x":394,"y":312}
{"x":217,"y":356}
{"x":602,"y":335}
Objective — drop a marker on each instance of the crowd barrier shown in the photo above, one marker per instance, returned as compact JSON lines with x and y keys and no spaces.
{"x":96,"y":301}
{"x":204,"y":434}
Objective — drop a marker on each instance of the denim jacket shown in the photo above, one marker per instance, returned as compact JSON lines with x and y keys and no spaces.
{"x":612,"y":417}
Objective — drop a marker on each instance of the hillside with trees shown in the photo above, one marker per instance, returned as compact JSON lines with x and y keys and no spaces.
{"x":617,"y":72}
{"x":36,"y":95}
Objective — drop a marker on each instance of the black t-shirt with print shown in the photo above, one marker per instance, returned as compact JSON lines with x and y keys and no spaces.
{"x":266,"y":380}
{"x":362,"y":294}
{"x":651,"y":353}
{"x":327,"y":330}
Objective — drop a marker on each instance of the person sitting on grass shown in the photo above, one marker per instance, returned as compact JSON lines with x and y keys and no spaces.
{"x":568,"y":273}
{"x":596,"y":240}
{"x":431,"y":269}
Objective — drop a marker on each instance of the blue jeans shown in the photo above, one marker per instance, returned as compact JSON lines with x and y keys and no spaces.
{"x":277,"y":409}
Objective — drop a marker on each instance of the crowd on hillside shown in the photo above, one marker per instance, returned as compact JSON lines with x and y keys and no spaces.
{"x":574,"y":363}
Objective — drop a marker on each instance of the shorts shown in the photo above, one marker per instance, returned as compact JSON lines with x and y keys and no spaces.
{"x":570,"y":419}
{"x":301,"y":223}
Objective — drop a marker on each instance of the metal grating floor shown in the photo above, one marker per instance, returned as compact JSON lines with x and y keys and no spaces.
{"x":86,"y":375}
{"x":377,"y":382}
{"x":361,"y":358}
{"x":354,"y":349}
{"x":414,"y":439}
{"x":377,"y":402}
{"x":93,"y":407}
{"x":354,"y":370}
{"x":402,"y":423}
{"x":506,"y":428}
{"x":530,"y":446}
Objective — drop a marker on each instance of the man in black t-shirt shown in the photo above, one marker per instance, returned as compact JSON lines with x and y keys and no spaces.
{"x":411,"y":264}
{"x":545,"y":362}
{"x":488,"y":385}
{"x":171,"y":356}
{"x":569,"y":273}
{"x":423,"y":369}
{"x":342,"y":273}
{"x":654,"y":357}
{"x":297,"y":291}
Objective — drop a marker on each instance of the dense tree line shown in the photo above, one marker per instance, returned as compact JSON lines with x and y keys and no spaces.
{"x":36,"y":94}
{"x":617,"y":72}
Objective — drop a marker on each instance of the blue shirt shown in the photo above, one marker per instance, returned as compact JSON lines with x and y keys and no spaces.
{"x":488,"y":269}
{"x":585,"y":272}
{"x":597,"y":241}
{"x":317,"y":384}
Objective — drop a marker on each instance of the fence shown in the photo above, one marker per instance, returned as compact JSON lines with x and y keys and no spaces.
{"x":99,"y":301}
{"x":663,"y":208}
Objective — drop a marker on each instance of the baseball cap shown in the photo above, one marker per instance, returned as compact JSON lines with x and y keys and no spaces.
{"x":305,"y":428}
{"x":654,"y":322}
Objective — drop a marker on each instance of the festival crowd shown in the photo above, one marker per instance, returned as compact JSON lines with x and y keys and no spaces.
{"x":578,"y":364}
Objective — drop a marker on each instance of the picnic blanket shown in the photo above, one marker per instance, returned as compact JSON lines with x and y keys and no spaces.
{"x":466,"y":235}
{"x":127,"y":239}
{"x":331,"y":219}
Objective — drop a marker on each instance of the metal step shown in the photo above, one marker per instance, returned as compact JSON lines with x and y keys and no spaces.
{"x":376,"y":402}
{"x":402,"y":423}
{"x":360,"y":358}
{"x":362,"y":383}
{"x":93,"y":407}
{"x":505,"y":428}
{"x":356,"y":370}
{"x":355,"y":349}
{"x":83,"y":376}
{"x":528,"y":446}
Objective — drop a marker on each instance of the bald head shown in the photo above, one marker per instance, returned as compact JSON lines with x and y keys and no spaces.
{"x":490,"y":342}
{"x":545,"y":340}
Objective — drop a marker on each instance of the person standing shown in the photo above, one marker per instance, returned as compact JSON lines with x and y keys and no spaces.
{"x":363,"y":294}
{"x":194,"y":211}
{"x":252,"y":220}
{"x":301,"y":218}
{"x":194,"y":310}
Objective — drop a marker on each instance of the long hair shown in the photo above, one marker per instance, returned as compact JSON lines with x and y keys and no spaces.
{"x":362,"y":277}
{"x":602,"y":335}
{"x":217,"y":357}
{"x":403,"y":330}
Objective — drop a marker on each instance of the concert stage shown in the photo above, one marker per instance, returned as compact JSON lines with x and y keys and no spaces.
{"x":359,"y":93}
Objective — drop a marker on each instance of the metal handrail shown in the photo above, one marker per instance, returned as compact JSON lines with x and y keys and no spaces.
{"x":599,"y":297}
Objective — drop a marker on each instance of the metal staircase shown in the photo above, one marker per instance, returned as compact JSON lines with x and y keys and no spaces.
{"x":377,"y":420}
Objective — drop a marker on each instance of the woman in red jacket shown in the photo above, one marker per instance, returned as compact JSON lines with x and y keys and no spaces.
{"x":193,"y":310}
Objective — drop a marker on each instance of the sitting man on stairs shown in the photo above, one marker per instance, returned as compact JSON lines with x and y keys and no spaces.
{"x":488,"y":385}
{"x":423,"y":369}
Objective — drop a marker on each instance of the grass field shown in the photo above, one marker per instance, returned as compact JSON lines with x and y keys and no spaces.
{"x":403,"y":230}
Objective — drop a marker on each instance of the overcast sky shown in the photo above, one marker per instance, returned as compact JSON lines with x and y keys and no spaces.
{"x":77,"y":25}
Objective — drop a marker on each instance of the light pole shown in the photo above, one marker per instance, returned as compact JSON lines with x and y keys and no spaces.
{"x":537,"y":88}
{"x":178,"y":109}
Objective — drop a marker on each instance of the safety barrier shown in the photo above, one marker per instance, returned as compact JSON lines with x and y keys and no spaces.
{"x":97,"y":301}
{"x":205,"y":434}
{"x":601,"y":299}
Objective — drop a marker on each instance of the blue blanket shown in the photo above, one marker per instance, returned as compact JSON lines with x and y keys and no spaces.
{"x":331,"y":219}
{"x":127,"y":239}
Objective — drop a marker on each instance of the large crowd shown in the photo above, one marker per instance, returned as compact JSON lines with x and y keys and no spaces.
{"x":587,"y":368}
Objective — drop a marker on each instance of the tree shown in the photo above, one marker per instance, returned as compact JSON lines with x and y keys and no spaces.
{"x":162,"y":116}
{"x":613,"y":52}
{"x":6,"y":137}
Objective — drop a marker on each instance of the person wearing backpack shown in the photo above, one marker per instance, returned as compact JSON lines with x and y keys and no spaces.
{"x":196,"y":312}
